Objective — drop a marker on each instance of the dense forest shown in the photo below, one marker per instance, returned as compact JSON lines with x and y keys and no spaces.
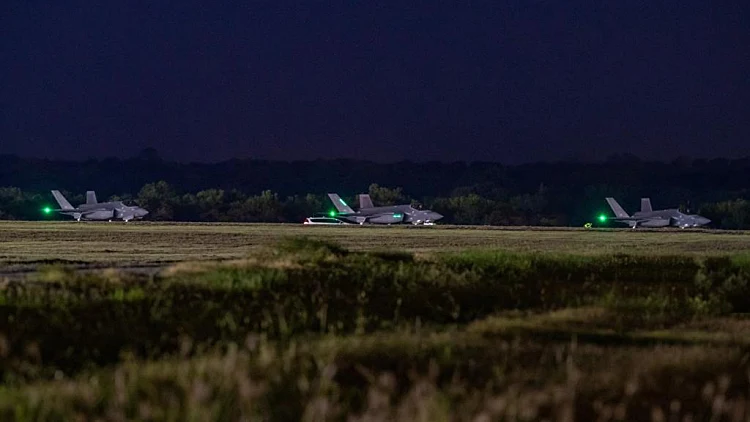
{"x":559,"y":193}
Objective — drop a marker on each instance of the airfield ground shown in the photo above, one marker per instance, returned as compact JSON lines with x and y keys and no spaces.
{"x":255,"y":322}
{"x":154,"y":243}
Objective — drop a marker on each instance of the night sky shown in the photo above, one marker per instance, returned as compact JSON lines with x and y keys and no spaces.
{"x":509,"y":81}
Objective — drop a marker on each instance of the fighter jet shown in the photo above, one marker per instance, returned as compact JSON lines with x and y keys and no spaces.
{"x":93,"y":210}
{"x":647,"y":217}
{"x":367,"y":213}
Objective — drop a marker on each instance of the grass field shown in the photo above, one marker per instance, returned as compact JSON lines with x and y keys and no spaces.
{"x":154,"y":243}
{"x":388,"y":323}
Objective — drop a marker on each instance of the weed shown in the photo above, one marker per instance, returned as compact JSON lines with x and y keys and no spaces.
{"x":334,"y":333}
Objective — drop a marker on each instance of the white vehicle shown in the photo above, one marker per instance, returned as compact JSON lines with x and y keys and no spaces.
{"x":322,"y":220}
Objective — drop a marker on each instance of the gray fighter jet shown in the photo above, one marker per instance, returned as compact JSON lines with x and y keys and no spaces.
{"x":647,"y":217}
{"x":93,"y":210}
{"x":367,"y":213}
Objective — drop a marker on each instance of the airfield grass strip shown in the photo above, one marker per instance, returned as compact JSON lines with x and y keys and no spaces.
{"x":325,"y":333}
{"x":456,"y":374}
{"x":67,"y":321}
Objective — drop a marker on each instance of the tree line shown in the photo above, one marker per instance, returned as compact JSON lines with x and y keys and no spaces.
{"x":166,"y":203}
{"x":465,"y":206}
{"x":561,"y":193}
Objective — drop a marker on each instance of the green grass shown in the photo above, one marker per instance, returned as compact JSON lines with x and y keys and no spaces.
{"x":302,"y":329}
{"x":491,"y":367}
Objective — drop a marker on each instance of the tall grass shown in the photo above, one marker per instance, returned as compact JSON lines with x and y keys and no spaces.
{"x":398,"y":377}
{"x":316,"y":306}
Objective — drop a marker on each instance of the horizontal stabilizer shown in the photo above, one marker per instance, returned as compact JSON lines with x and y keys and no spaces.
{"x":64,"y":204}
{"x":340,"y":205}
{"x":365,"y":201}
{"x":617,"y":209}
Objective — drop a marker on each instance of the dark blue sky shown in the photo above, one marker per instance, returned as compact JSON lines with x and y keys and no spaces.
{"x":510,"y":81}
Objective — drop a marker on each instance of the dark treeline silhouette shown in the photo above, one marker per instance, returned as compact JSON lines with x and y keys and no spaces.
{"x":559,"y":193}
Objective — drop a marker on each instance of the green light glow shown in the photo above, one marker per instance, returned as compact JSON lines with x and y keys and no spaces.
{"x":397,"y":215}
{"x":332,"y":213}
{"x":47,"y":210}
{"x":342,"y":201}
{"x":602,"y":218}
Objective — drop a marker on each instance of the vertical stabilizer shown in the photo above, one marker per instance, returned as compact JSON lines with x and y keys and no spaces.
{"x":91,"y":198}
{"x":64,"y":204}
{"x":646,"y":205}
{"x":365,"y":201}
{"x":617,"y":209}
{"x":340,"y":205}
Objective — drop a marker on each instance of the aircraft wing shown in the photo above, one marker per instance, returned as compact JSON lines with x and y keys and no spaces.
{"x":384,"y":218}
{"x":639,"y":220}
{"x":91,"y":210}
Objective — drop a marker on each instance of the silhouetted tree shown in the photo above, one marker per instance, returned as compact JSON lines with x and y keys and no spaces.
{"x":382,"y":196}
{"x":160,"y":199}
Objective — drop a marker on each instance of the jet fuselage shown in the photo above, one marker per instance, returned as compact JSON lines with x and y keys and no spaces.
{"x":647,"y":217}
{"x":93,"y":210}
{"x":670,"y":217}
{"x":106,"y":211}
{"x":392,"y":214}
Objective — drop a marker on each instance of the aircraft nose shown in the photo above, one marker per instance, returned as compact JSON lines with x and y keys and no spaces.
{"x":703,"y":220}
{"x":433,"y":216}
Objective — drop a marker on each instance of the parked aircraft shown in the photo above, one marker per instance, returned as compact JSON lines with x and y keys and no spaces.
{"x":382,"y":215}
{"x":647,"y":217}
{"x":93,"y":210}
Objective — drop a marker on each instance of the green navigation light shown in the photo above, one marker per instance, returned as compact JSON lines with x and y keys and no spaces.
{"x":332,"y":213}
{"x":602,"y":218}
{"x":47,"y":210}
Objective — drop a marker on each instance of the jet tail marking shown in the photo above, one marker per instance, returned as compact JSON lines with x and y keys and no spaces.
{"x":365,"y":201}
{"x":340,"y":205}
{"x":91,"y":198}
{"x":646,"y":205}
{"x":64,"y":204}
{"x":617,"y":209}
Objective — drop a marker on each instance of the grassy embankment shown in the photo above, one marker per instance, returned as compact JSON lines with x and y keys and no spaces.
{"x":314,"y":331}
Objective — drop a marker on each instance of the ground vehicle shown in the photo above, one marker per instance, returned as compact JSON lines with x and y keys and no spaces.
{"x":323,"y":220}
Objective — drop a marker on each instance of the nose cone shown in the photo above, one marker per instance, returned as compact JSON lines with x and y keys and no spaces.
{"x":433,"y":216}
{"x":141,"y":212}
{"x":701,"y":221}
